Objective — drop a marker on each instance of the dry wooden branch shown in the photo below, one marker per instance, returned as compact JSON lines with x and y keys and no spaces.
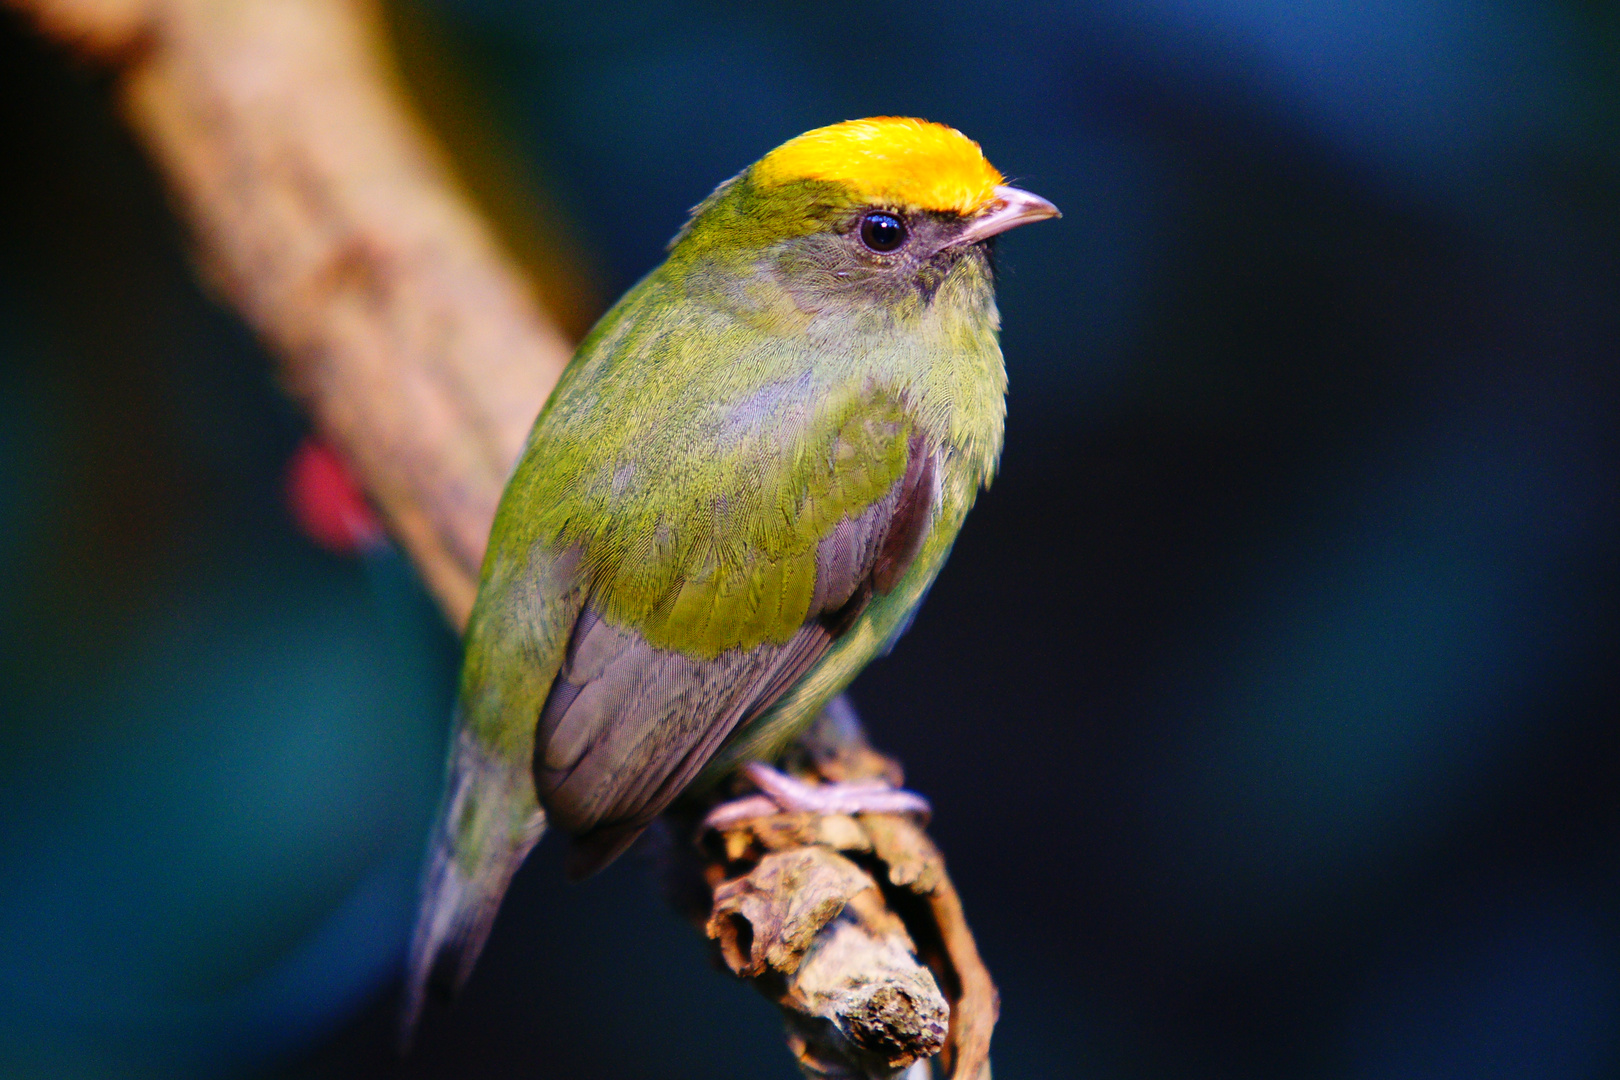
{"x":328,"y":218}
{"x":850,"y":924}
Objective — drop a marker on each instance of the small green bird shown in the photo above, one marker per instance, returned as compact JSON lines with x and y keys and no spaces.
{"x":736,"y":497}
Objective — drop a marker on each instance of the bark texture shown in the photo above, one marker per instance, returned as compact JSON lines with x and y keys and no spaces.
{"x":327,"y":217}
{"x":848,"y":922}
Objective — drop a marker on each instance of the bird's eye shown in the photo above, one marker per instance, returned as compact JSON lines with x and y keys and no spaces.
{"x":882,"y":232}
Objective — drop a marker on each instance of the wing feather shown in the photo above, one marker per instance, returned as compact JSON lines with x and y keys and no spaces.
{"x":628,"y":724}
{"x":610,"y":656}
{"x":490,"y":817}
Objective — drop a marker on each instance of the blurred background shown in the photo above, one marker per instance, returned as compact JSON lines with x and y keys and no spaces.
{"x":1268,"y":705}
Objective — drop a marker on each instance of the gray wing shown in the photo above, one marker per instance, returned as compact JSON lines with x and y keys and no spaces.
{"x":627,"y":725}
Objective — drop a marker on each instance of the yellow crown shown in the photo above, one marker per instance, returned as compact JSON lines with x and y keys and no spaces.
{"x":888,"y":160}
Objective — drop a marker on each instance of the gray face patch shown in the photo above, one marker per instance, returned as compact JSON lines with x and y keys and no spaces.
{"x":833,"y":268}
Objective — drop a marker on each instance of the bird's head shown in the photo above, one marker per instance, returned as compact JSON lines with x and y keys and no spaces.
{"x":887,"y":208}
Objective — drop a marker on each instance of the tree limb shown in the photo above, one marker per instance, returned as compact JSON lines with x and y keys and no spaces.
{"x":849,"y":923}
{"x":329,"y":219}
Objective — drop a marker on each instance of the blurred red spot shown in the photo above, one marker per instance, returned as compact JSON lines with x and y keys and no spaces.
{"x":327,"y":504}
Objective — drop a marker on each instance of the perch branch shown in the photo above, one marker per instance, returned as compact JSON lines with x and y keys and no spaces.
{"x":849,"y":923}
{"x":328,"y":218}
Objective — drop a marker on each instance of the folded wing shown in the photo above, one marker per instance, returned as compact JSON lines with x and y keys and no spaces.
{"x":629,"y":723}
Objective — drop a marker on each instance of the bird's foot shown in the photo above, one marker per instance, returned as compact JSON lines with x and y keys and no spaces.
{"x":781,"y":793}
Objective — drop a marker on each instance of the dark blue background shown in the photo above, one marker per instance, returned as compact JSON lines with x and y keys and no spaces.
{"x":1268,"y":704}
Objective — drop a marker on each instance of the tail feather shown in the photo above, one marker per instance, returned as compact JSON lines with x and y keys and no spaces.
{"x":487,"y":825}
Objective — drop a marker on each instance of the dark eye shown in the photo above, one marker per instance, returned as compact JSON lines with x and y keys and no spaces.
{"x":882,"y":232}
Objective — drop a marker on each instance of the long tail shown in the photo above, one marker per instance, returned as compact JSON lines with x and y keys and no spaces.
{"x":486,"y":826}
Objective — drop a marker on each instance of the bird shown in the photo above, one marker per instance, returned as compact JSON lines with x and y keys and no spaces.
{"x":739,"y":492}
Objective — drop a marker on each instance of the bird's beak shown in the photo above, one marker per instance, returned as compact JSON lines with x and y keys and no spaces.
{"x":1010,"y":208}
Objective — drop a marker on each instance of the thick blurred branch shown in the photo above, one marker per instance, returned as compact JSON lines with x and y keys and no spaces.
{"x":324,"y":213}
{"x":328,"y":218}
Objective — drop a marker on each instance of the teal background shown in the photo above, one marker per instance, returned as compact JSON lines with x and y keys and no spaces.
{"x":1268,"y":704}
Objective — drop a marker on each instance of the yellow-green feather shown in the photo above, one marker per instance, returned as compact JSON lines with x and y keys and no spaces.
{"x":711,"y":431}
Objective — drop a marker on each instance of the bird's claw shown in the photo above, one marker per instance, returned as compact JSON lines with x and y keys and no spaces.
{"x":781,"y":793}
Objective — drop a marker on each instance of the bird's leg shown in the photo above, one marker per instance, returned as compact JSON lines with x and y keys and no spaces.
{"x":782,"y":793}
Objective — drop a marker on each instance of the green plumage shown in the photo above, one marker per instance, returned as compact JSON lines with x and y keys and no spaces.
{"x":768,"y":410}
